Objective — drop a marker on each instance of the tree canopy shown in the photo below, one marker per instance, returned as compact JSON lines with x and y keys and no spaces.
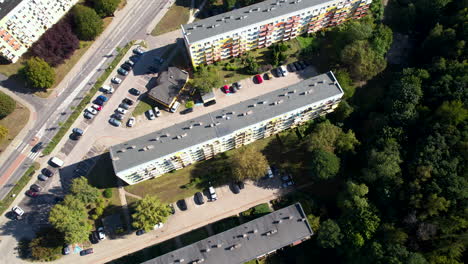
{"x":7,"y":105}
{"x":84,"y":192}
{"x":87,"y":23}
{"x":38,"y":73}
{"x":206,"y":78}
{"x":329,"y":235}
{"x":324,"y":165}
{"x":248,"y":163}
{"x":149,"y":211}
{"x":105,"y":8}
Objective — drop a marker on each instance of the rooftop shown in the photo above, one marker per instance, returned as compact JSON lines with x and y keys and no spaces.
{"x":6,"y":6}
{"x":245,"y":242}
{"x":243,"y":17}
{"x":223,"y":121}
{"x":168,"y":85}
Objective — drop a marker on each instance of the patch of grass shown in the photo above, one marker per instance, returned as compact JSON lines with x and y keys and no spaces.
{"x":177,"y":15}
{"x":194,"y":236}
{"x":256,"y":212}
{"x":304,"y":42}
{"x":225,"y":224}
{"x":14,"y":122}
{"x":10,"y":69}
{"x":143,"y":105}
{"x":6,"y":202}
{"x":86,"y":100}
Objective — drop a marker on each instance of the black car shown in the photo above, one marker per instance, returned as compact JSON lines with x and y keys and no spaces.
{"x":126,"y":67}
{"x":47,"y":172}
{"x":199,"y":198}
{"x":127,"y":101}
{"x":298,"y":66}
{"x":186,"y":111}
{"x":235,"y":188}
{"x":182,"y":205}
{"x":86,"y":252}
{"x":212,"y":102}
{"x":37,"y":147}
{"x":303,"y":65}
{"x":135,"y":58}
{"x":118,"y":116}
{"x":134,"y":91}
{"x":241,"y":185}
{"x":35,"y":188}
{"x":140,"y":232}
{"x":99,"y":102}
{"x":94,"y":238}
{"x":291,"y":67}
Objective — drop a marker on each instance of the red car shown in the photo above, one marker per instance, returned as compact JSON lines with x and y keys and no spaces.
{"x":31,"y":193}
{"x":259,"y":78}
{"x":226,"y":89}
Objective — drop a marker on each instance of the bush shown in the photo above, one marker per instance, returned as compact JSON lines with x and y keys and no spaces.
{"x":107,"y":193}
{"x":3,"y":132}
{"x":189,"y":104}
{"x":99,"y":211}
{"x":7,"y":105}
{"x":105,"y":8}
{"x":38,"y":73}
{"x":47,"y":245}
{"x":88,"y":25}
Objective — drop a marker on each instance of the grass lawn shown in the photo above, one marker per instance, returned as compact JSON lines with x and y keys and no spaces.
{"x":14,"y":122}
{"x":177,"y":15}
{"x":225,"y":224}
{"x":305,"y":41}
{"x":143,"y":105}
{"x":194,"y":236}
{"x":256,"y":212}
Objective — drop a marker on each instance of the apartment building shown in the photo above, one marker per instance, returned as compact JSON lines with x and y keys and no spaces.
{"x":260,"y":25}
{"x":22,"y":22}
{"x":205,"y":136}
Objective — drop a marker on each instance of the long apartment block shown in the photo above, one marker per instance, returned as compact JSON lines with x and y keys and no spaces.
{"x":260,"y":25}
{"x":205,"y":136}
{"x":22,"y":22}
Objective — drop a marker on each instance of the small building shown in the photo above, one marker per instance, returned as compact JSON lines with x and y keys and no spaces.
{"x":252,"y":240}
{"x":169,"y":85}
{"x":208,"y":97}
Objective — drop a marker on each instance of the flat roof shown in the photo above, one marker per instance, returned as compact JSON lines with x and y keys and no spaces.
{"x":247,"y":241}
{"x":243,"y":17}
{"x":7,"y":5}
{"x":223,"y":121}
{"x":168,"y":85}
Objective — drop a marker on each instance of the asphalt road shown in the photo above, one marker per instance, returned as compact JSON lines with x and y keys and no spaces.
{"x":131,"y":23}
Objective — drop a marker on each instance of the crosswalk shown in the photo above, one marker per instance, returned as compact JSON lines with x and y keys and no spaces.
{"x":33,"y":155}
{"x":22,"y":147}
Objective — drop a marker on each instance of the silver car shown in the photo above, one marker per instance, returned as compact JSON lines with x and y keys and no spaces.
{"x":42,"y":177}
{"x":151,"y":115}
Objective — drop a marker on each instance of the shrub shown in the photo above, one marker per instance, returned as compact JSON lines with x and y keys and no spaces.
{"x":88,"y":25}
{"x":189,"y":104}
{"x":3,"y":132}
{"x":107,"y":193}
{"x":38,"y":73}
{"x":105,"y":8}
{"x":47,"y":245}
{"x":99,"y":211}
{"x":7,"y":105}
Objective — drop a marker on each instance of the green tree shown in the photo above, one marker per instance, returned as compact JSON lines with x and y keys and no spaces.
{"x":3,"y":132}
{"x":206,"y":78}
{"x":358,"y":30}
{"x":38,"y":73}
{"x":189,"y":104}
{"x":229,"y":4}
{"x":107,"y":193}
{"x":105,"y":8}
{"x":84,"y":192}
{"x":354,"y":196}
{"x":362,"y":61}
{"x":71,"y":218}
{"x":342,"y":112}
{"x":7,"y":105}
{"x":324,"y":165}
{"x":453,"y":112}
{"x":345,"y":82}
{"x":88,"y":24}
{"x":248,"y":163}
{"x":331,"y":138}
{"x":149,"y":211}
{"x":329,"y":234}
{"x":383,"y":163}
{"x":47,"y":245}
{"x":382,"y":39}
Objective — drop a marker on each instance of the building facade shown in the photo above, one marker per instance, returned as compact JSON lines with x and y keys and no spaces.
{"x":22,"y":22}
{"x":241,"y":124}
{"x":262,"y":24}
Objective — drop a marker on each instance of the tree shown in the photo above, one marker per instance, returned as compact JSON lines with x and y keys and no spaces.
{"x":453,"y":112}
{"x":248,"y":163}
{"x":38,"y":73}
{"x":88,"y":25}
{"x":329,"y":234}
{"x":345,"y":82}
{"x":362,"y":61}
{"x":331,"y":138}
{"x":383,"y":163}
{"x":105,"y":8}
{"x":84,"y":192}
{"x":47,"y":245}
{"x":324,"y":165}
{"x":229,"y":4}
{"x":3,"y":132}
{"x":149,"y":211}
{"x":382,"y":39}
{"x":206,"y":78}
{"x":71,"y":218}
{"x":57,"y":44}
{"x":354,"y":196}
{"x":342,"y":112}
{"x":107,"y":193}
{"x":189,"y":104}
{"x":7,"y":105}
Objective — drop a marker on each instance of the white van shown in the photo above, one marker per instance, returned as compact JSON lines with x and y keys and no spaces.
{"x":56,"y":162}
{"x":283,"y":69}
{"x":175,"y":106}
{"x":107,"y":89}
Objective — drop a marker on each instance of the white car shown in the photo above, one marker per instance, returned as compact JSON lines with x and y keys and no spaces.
{"x":283,"y":70}
{"x":97,"y":107}
{"x":92,"y":110}
{"x":131,"y":122}
{"x":157,"y":112}
{"x":101,"y":233}
{"x":121,"y":110}
{"x":212,"y":192}
{"x":269,"y":173}
{"x":18,"y":211}
{"x":158,"y":226}
{"x":116,"y":80}
{"x":150,"y":114}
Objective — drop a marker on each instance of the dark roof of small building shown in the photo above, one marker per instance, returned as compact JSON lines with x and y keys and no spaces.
{"x":247,"y":241}
{"x":7,"y":5}
{"x":222,"y":122}
{"x":243,"y":17}
{"x":168,"y":85}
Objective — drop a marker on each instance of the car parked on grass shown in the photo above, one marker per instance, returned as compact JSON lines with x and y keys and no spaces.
{"x":127,"y":101}
{"x":226,"y":89}
{"x":150,"y":114}
{"x":47,"y":172}
{"x":35,"y":188}
{"x":131,"y":122}
{"x":134,"y":91}
{"x":42,"y":177}
{"x":122,"y":72}
{"x":121,"y":110}
{"x":114,"y":122}
{"x":258,"y":78}
{"x":116,"y":80}
{"x":86,"y":252}
{"x":31,"y":193}
{"x":198,"y":197}
{"x":213,"y":196}
{"x":37,"y":147}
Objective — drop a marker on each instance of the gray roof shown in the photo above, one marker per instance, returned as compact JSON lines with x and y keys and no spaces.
{"x":6,"y":6}
{"x":290,"y":224}
{"x":168,"y":84}
{"x":319,"y":88}
{"x":253,"y":14}
{"x":208,"y":97}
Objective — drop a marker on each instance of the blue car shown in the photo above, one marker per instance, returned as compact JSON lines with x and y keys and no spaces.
{"x":102,"y":98}
{"x":99,"y":102}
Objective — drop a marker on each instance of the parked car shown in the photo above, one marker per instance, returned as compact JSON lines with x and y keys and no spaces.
{"x":37,"y":147}
{"x":235,"y":188}
{"x":135,"y":58}
{"x":158,"y":226}
{"x":126,"y":67}
{"x":118,"y":116}
{"x":18,"y":212}
{"x":199,"y":198}
{"x":86,"y":252}
{"x":122,"y":111}
{"x":42,"y":177}
{"x":134,"y":91}
{"x":131,"y":122}
{"x":91,"y":110}
{"x":107,"y":89}
{"x":258,"y":78}
{"x":99,"y":102}
{"x":93,"y":237}
{"x":56,"y":162}
{"x":241,"y":185}
{"x":115,"y":122}
{"x":233,"y":89}
{"x":124,"y":106}
{"x":150,"y":114}
{"x":175,"y":106}
{"x":269,"y":174}
{"x":212,"y":192}
{"x":97,"y":107}
{"x":47,"y":172}
{"x":138,"y":51}
{"x":268,"y":76}
{"x":186,"y":111}
{"x":78,"y":131}
{"x":122,"y":72}
{"x":88,"y":115}
{"x":35,"y":188}
{"x":279,"y":72}
{"x":303,"y":65}
{"x":182,"y":204}
{"x":102,"y":98}
{"x":130,"y":63}
{"x":291,"y":67}
{"x":101,"y":234}
{"x":31,"y":193}
{"x":157,"y":112}
{"x":66,"y":250}
{"x":127,"y":101}
{"x":298,"y":66}
{"x":140,"y":232}
{"x":237,"y":85}
{"x":226,"y":89}
{"x":116,"y":80}
{"x":283,"y":70}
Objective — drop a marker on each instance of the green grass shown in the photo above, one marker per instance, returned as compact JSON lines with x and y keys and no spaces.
{"x":177,"y":15}
{"x":14,"y":122}
{"x":304,"y":42}
{"x":6,"y":202}
{"x":143,"y":105}
{"x":225,"y":224}
{"x":256,"y":212}
{"x":85,"y":101}
{"x":194,"y":236}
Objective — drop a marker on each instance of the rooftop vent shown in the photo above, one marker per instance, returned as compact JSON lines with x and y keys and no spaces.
{"x":218,"y":245}
{"x":216,"y":25}
{"x":179,"y":260}
{"x":235,"y":246}
{"x":188,"y":33}
{"x":115,"y":158}
{"x":199,"y":124}
{"x":253,"y":105}
{"x":197,"y":261}
{"x":212,"y":124}
{"x":131,"y":147}
{"x":277,"y":221}
{"x":121,"y":150}
{"x":289,"y":217}
{"x":184,"y":135}
{"x":301,"y":220}
{"x":314,"y":84}
{"x":254,"y":231}
{"x":271,"y":232}
{"x":243,"y":235}
{"x":231,"y":113}
{"x":205,"y":250}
